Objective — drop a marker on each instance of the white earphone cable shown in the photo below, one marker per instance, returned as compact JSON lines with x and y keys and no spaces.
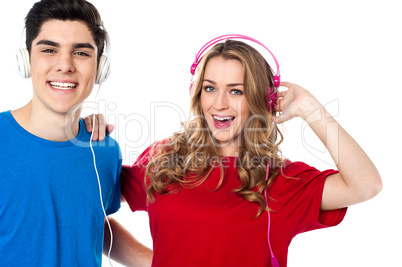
{"x":97,"y":176}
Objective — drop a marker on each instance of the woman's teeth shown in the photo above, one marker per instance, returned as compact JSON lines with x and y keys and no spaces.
{"x":223,"y":118}
{"x":63,"y":86}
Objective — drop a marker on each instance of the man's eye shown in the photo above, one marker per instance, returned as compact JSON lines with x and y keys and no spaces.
{"x":80,"y":53}
{"x":48,"y":51}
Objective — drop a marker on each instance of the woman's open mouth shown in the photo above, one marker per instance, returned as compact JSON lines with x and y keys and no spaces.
{"x":222,"y":122}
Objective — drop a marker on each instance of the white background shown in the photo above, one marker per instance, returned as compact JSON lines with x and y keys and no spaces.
{"x":347,"y":53}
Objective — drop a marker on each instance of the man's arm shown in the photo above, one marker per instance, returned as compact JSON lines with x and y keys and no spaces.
{"x":126,"y":249}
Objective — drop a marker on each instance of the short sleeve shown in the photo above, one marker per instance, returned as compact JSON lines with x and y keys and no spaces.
{"x":114,"y":195}
{"x":115,"y":198}
{"x":301,"y":188}
{"x":132,"y":181}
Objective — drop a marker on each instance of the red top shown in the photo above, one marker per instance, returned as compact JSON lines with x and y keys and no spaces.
{"x":207,"y":227}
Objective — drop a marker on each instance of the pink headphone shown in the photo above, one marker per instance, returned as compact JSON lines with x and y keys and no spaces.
{"x":271,"y":94}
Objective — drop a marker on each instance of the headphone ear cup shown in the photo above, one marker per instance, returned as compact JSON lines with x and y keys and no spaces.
{"x":271,"y":99}
{"x":103,"y":69}
{"x":23,"y":66}
{"x":272,"y":94}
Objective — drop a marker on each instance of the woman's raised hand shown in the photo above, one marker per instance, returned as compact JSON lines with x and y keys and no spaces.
{"x":294,"y":102}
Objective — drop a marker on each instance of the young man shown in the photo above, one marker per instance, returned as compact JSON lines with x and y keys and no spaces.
{"x":50,"y":207}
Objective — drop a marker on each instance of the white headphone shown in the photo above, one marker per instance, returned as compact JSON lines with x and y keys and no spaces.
{"x":24,"y":66}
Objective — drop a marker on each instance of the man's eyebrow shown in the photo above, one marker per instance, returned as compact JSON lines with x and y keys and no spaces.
{"x":77,"y":45}
{"x":84,"y":45}
{"x":48,"y":42}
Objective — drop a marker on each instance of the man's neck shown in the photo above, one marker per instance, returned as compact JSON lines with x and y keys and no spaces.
{"x":51,"y":126}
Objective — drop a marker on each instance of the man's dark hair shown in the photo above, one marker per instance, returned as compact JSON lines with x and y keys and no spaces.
{"x":73,"y":10}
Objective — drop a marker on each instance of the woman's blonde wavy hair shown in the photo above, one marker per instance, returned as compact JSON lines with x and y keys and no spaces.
{"x":187,"y":158}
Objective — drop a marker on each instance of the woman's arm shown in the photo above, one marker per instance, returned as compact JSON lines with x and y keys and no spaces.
{"x":358,"y":179}
{"x":126,"y":249}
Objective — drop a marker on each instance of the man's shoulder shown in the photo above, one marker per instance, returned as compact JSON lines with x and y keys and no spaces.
{"x":4,"y":115}
{"x":8,"y":125}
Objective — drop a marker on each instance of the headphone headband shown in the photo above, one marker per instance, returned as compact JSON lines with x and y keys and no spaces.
{"x":218,"y":39}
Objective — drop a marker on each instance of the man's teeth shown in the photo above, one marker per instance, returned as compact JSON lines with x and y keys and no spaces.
{"x":62,"y":86}
{"x":223,"y":118}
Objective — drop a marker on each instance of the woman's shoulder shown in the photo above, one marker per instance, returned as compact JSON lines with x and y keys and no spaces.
{"x":153,"y":150}
{"x":298,"y":172}
{"x":293,"y":168}
{"x":138,"y":169}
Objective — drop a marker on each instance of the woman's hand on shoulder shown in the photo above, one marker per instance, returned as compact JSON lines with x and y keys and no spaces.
{"x":294,"y":102}
{"x":101,"y":128}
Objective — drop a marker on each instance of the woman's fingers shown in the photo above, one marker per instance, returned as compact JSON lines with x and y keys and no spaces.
{"x":281,"y":118}
{"x":109,"y":128}
{"x":88,"y":124}
{"x":97,"y":124}
{"x":95,"y":127}
{"x":101,"y":126}
{"x":285,"y":84}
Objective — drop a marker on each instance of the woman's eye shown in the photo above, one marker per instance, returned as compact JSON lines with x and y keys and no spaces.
{"x":209,"y":89}
{"x":236,"y":92}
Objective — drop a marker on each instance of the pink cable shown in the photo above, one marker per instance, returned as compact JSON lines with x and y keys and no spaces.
{"x":274,"y":260}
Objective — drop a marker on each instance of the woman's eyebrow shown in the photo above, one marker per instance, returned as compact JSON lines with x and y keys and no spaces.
{"x":228,"y":85}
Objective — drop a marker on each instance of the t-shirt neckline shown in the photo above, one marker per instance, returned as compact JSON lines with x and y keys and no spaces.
{"x":43,"y":141}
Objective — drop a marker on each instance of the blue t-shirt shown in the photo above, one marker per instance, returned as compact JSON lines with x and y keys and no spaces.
{"x":50,"y":209}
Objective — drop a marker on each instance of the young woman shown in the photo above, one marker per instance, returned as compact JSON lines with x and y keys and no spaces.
{"x":206,"y":189}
